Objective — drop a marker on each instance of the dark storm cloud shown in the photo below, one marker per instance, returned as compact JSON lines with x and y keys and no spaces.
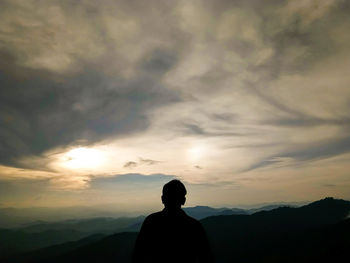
{"x":41,"y":110}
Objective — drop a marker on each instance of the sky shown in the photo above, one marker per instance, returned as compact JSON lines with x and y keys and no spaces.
{"x":102,"y":102}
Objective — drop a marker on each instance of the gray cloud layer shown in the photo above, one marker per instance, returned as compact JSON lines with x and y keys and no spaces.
{"x":41,"y":110}
{"x":83,"y":72}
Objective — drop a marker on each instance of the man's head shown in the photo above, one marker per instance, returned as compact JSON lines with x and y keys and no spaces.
{"x":174,"y":194}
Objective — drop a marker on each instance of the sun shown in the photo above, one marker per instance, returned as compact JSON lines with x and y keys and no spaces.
{"x":196,"y":152}
{"x":83,"y":158}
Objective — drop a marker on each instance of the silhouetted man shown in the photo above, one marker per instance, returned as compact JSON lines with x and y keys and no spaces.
{"x":170,"y":235}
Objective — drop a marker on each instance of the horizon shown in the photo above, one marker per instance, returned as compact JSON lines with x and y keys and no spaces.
{"x":102,"y":103}
{"x":110,"y":207}
{"x":15,"y":218}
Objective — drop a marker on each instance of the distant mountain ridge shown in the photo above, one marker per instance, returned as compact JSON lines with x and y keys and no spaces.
{"x":200,"y":212}
{"x":16,"y":217}
{"x":103,"y":225}
{"x":317,"y":232}
{"x":43,"y":234}
{"x":11,"y":217}
{"x":40,"y":233}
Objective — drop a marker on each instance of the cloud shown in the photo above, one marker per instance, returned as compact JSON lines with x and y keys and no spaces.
{"x":191,"y":128}
{"x":232,"y":86}
{"x":79,"y":110}
{"x":307,"y":10}
{"x":105,"y":84}
{"x":305,"y":121}
{"x":57,"y":94}
{"x":307,"y":153}
{"x":149,"y":161}
{"x":130,"y":165}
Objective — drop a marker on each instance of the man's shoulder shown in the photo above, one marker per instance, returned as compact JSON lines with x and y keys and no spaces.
{"x":162,"y":215}
{"x":154,"y":216}
{"x":193,"y":221}
{"x":190,"y":218}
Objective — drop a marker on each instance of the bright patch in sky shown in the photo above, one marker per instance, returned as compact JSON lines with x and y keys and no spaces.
{"x":197,"y":152}
{"x":83,"y":158}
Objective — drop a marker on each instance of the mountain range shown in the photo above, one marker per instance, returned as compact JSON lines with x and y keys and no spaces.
{"x":317,"y":232}
{"x":39,"y":233}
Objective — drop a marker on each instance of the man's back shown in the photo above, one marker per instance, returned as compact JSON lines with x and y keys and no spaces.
{"x":171,"y":236}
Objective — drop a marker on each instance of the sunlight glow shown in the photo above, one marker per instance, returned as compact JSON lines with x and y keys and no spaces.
{"x":83,"y":158}
{"x":197,"y":152}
